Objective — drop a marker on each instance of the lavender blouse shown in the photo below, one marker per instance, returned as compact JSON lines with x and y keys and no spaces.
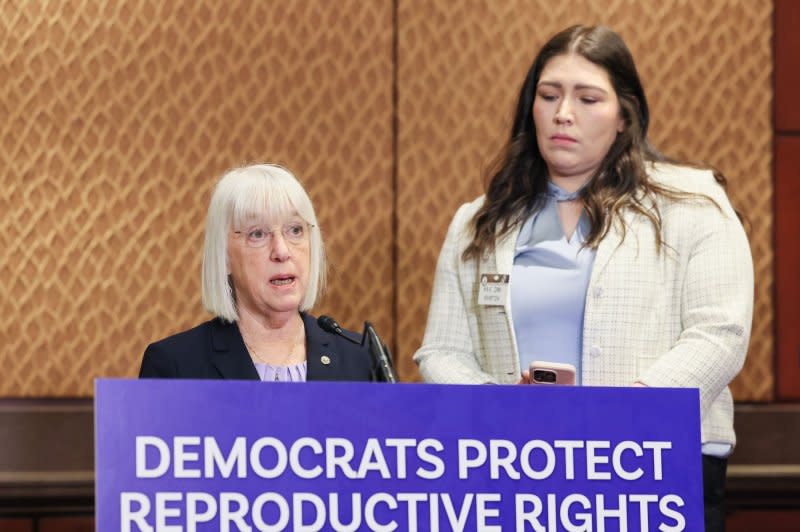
{"x":293,"y":373}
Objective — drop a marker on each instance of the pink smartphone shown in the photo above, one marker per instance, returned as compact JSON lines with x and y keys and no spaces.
{"x":552,"y":373}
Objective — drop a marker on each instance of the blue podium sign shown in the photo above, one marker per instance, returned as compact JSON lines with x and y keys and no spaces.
{"x":221,"y":455}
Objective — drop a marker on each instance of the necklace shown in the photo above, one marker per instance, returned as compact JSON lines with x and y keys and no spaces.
{"x":297,"y":346}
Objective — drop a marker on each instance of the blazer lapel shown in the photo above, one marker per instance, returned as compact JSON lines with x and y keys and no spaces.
{"x":503,"y":261}
{"x":497,"y":323}
{"x":608,"y":247}
{"x":321,"y":360}
{"x":504,"y":254}
{"x":229,"y":354}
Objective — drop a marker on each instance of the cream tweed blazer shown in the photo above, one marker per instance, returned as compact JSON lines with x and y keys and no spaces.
{"x":680,"y":317}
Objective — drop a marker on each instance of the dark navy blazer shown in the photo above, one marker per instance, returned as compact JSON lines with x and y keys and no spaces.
{"x":216,"y":350}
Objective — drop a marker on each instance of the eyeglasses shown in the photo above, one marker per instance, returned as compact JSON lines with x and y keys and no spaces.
{"x":292,"y":232}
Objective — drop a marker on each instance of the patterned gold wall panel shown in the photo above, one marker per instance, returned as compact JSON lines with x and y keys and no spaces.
{"x":706,"y":68}
{"x":115,"y":119}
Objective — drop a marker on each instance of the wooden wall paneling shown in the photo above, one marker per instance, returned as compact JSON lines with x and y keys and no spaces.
{"x":772,"y":520}
{"x":787,"y":65}
{"x":787,"y":196}
{"x":764,"y":469}
{"x":46,"y":457}
{"x":787,"y":265}
{"x":66,"y":524}
{"x":16,"y":525}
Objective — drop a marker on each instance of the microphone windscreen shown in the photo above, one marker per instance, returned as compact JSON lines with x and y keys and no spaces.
{"x":328,"y":324}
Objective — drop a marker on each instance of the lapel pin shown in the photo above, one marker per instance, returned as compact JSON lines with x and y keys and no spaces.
{"x":325,"y":359}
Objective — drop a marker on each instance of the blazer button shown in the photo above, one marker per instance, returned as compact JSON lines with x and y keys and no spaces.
{"x":595,"y":351}
{"x":325,"y":359}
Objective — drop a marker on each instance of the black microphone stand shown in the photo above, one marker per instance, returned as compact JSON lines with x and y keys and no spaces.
{"x":380,"y":354}
{"x":382,"y":369}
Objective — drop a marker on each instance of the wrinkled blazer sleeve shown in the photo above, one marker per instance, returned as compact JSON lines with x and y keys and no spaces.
{"x":716,"y":299}
{"x":447,"y":354}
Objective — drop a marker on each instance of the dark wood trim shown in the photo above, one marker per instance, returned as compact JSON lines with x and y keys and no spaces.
{"x":787,"y":198}
{"x":46,"y":457}
{"x":39,"y":477}
{"x":787,"y":65}
{"x":787,"y":263}
{"x":17,"y":500}
{"x":764,"y":470}
{"x":773,"y":488}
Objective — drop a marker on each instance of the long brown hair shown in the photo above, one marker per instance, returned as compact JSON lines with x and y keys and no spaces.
{"x":518,"y":185}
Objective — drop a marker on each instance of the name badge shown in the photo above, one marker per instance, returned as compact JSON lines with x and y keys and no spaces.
{"x":493,"y":290}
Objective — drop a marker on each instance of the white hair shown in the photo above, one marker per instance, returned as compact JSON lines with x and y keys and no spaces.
{"x":243,"y":194}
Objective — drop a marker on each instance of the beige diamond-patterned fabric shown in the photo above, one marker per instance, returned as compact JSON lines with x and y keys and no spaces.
{"x":117,"y":117}
{"x":706,"y":67}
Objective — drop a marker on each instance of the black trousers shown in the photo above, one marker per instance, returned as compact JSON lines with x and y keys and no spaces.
{"x":714,"y":471}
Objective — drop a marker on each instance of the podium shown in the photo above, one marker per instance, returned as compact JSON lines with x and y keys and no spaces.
{"x":225,"y":455}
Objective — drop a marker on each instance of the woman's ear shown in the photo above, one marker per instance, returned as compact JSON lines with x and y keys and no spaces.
{"x":622,"y":119}
{"x":627,"y":111}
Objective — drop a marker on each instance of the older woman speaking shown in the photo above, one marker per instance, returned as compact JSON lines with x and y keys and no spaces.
{"x":263,"y":268}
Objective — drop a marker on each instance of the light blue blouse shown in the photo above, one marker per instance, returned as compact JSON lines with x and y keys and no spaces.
{"x":294,"y":373}
{"x":549,"y":281}
{"x":548,"y":286}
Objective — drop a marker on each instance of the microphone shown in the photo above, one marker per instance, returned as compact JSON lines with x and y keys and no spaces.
{"x":380,"y":355}
{"x":382,"y":362}
{"x":330,"y":325}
